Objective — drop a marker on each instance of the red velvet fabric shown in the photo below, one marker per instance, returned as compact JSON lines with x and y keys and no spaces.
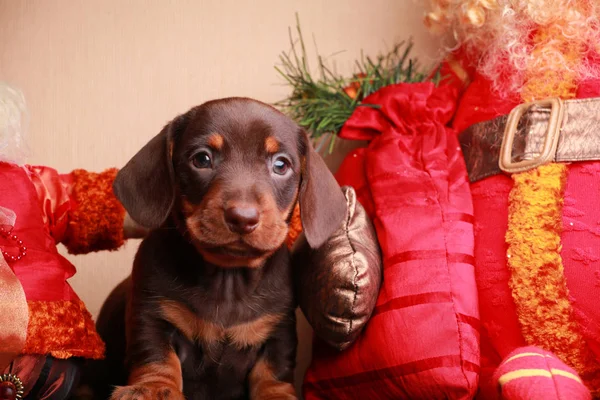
{"x":423,"y":339}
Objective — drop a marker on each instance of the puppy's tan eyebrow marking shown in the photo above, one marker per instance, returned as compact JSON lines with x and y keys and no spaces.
{"x":215,"y":141}
{"x":271,"y":145}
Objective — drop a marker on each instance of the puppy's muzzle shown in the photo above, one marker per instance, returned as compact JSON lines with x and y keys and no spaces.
{"x":242,"y":219}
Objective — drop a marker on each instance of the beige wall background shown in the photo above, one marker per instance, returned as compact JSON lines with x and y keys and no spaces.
{"x":101,"y":77}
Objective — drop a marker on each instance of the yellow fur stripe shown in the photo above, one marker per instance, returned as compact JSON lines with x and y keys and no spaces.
{"x":523,"y":373}
{"x":530,"y":373}
{"x":566,"y":374}
{"x":520,"y":355}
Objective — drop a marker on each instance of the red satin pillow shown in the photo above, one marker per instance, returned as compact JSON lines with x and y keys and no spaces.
{"x":422,"y":341}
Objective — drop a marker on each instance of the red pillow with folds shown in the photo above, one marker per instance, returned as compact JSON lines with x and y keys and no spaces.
{"x":422,"y":341}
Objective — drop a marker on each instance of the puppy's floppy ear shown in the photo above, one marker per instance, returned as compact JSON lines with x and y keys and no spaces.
{"x":322,"y":202}
{"x":145,"y":185}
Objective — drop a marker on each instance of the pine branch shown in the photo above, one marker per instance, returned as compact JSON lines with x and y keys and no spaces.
{"x":322,"y":105}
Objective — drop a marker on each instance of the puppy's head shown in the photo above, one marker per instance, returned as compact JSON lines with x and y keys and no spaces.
{"x":232,"y":170}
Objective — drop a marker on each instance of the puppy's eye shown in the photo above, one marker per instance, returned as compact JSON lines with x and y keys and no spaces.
{"x":281,"y":165}
{"x":202,"y":160}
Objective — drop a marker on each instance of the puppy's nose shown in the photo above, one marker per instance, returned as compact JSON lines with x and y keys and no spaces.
{"x":241,"y":219}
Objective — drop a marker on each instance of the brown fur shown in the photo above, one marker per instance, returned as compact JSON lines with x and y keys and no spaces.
{"x":215,"y":295}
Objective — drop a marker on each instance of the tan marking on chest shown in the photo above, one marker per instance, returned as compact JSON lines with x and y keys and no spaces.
{"x":247,"y":334}
{"x":190,"y":325}
{"x":254,"y":332}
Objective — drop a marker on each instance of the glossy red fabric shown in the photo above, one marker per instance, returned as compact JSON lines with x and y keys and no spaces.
{"x":41,"y":203}
{"x":422,"y":341}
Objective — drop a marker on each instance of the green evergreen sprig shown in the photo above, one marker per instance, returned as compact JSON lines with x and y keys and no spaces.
{"x":323,"y":104}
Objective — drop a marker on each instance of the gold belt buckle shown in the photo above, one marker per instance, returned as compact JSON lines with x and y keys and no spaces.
{"x":550,"y":142}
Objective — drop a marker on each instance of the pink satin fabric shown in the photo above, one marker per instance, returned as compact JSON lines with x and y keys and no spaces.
{"x":54,"y":197}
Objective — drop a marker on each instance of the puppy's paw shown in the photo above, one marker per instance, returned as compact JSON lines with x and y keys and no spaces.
{"x":147,"y":392}
{"x":282,"y":397}
{"x":274,"y":390}
{"x":277,"y":396}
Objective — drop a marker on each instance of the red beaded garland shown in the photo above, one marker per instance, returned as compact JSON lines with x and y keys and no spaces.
{"x":22,"y":248}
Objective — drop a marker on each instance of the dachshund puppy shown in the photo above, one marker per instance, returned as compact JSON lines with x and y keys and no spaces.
{"x":210,"y":305}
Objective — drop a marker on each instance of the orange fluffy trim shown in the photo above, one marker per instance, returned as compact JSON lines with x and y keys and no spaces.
{"x":96,"y":222}
{"x":62,"y":329}
{"x":295,"y":227}
{"x":537,"y":278}
{"x":543,"y":83}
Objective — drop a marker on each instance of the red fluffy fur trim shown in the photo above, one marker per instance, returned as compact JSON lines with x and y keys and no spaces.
{"x":96,"y":221}
{"x":62,"y":329}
